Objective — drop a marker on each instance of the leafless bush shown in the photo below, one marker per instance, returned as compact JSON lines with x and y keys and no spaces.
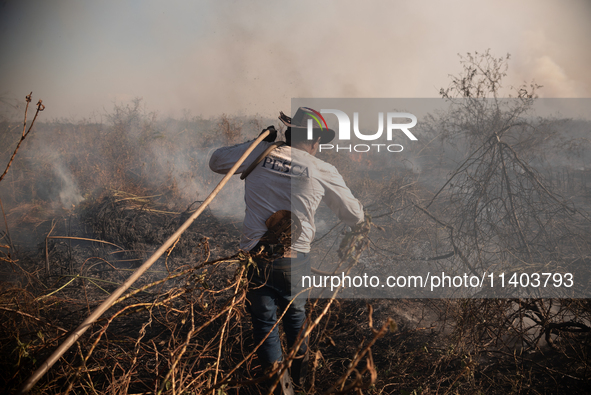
{"x":230,"y":130}
{"x":501,"y":215}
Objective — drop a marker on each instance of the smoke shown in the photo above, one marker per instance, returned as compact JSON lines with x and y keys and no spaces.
{"x":249,"y":58}
{"x":189,"y":171}
{"x":541,"y":59}
{"x":557,"y":82}
{"x":51,"y":173}
{"x":252,"y":58}
{"x":68,"y":193}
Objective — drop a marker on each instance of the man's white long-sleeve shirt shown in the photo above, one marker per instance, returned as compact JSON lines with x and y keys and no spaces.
{"x":287,"y":179}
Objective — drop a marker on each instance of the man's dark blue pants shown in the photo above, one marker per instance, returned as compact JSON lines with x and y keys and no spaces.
{"x":271,"y":289}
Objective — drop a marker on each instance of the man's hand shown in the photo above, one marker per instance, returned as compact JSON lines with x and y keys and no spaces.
{"x":272,"y":135}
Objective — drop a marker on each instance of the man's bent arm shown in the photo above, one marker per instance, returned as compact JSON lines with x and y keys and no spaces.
{"x":224,"y":158}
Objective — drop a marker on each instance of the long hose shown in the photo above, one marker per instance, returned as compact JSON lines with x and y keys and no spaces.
{"x":27,"y":385}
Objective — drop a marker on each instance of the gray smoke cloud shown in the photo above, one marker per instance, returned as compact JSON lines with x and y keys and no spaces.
{"x":252,"y":57}
{"x":191,"y":174}
{"x":69,"y":193}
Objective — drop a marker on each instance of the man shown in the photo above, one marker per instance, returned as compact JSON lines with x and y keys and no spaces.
{"x":288,"y":179}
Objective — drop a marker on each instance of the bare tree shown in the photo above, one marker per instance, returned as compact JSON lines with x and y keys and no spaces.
{"x":501,"y":216}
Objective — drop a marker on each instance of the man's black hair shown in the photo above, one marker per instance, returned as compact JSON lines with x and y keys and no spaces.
{"x":301,"y":136}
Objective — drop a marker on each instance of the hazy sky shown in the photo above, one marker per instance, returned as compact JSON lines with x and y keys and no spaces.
{"x":213,"y":57}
